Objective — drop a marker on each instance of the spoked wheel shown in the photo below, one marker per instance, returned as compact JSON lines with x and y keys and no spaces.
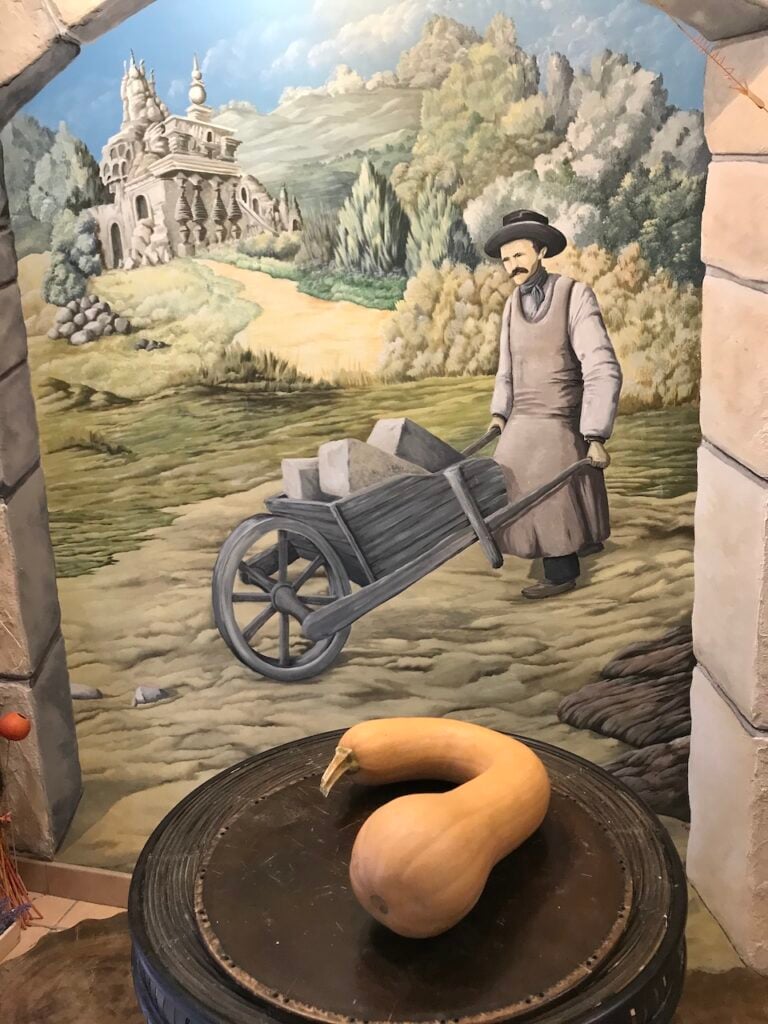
{"x":270,"y":574}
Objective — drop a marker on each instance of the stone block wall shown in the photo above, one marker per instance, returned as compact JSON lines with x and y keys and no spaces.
{"x":41,"y":776}
{"x":728,"y":849}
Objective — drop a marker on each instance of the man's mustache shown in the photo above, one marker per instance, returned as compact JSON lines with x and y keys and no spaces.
{"x":519,"y":270}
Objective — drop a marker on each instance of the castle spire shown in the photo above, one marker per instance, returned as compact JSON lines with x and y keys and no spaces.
{"x":198,"y":95}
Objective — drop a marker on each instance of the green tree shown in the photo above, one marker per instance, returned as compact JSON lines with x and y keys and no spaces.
{"x":25,"y":141}
{"x":66,"y":178}
{"x":661,"y":210}
{"x":372,"y":227}
{"x":75,"y":256}
{"x":438,"y":232}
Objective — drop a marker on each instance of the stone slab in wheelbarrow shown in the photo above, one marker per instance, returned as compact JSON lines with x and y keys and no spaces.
{"x":241,"y":910}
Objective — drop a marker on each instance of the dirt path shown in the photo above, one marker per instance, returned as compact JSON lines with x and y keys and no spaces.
{"x":461,"y":643}
{"x":321,"y":338}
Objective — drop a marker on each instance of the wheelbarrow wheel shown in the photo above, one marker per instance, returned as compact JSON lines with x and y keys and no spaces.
{"x":271,"y":572}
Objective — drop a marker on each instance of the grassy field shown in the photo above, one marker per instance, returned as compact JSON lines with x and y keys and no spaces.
{"x":134,"y":462}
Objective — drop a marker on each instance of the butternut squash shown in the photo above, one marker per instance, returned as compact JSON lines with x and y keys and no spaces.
{"x":420,"y":863}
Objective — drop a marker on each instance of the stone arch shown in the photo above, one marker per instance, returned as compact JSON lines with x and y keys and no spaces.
{"x":729,"y":772}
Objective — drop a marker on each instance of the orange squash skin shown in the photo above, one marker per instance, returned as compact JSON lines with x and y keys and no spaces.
{"x":420,"y":863}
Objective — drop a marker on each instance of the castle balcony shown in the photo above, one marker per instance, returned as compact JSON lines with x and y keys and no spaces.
{"x":194,"y":163}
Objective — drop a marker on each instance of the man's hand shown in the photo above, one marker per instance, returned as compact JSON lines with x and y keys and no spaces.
{"x":598,"y":456}
{"x":497,"y":422}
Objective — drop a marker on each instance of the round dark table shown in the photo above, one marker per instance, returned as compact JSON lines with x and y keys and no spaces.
{"x":241,"y":910}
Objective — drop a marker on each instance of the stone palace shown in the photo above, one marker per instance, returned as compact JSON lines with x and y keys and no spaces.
{"x":176,"y":182}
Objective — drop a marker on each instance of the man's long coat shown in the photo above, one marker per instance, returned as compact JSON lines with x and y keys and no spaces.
{"x":558,"y":383}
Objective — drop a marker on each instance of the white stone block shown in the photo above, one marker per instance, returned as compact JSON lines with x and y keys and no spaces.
{"x":86,"y":20}
{"x":350,"y":465}
{"x":719,"y":19}
{"x":733,"y":236}
{"x":730,"y":614}
{"x":18,"y":427}
{"x":733,"y":123}
{"x":734,"y":370}
{"x":43,"y":778}
{"x":29,"y":607}
{"x":728,"y":846}
{"x":301,"y":479}
{"x":409,"y":441}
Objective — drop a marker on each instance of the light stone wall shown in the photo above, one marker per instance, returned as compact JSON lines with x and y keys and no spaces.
{"x":728,"y":849}
{"x":40,"y":776}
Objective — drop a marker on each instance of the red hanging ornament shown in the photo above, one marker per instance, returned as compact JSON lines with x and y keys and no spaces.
{"x":14,"y":726}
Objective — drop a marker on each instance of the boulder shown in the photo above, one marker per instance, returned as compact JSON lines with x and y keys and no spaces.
{"x":150,"y":695}
{"x":53,"y":334}
{"x":93,"y":330}
{"x":91,"y":314}
{"x":301,"y":479}
{"x":80,"y":319}
{"x":643,"y":697}
{"x":108,"y":329}
{"x":85,"y":303}
{"x":79,"y":338}
{"x":93,"y":299}
{"x":103,"y":318}
{"x":635,"y":709}
{"x":350,"y":465}
{"x":64,"y":316}
{"x":407,"y":440}
{"x":78,"y":692}
{"x":122,"y":325}
{"x":74,"y":306}
{"x":659,"y":775}
{"x":67,"y":330}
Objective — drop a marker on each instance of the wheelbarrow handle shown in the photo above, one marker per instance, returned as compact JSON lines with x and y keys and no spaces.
{"x":477,"y":446}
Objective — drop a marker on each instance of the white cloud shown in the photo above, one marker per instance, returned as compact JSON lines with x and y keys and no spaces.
{"x":343,"y":80}
{"x":177,"y":88}
{"x":295,"y":54}
{"x":385,"y":29}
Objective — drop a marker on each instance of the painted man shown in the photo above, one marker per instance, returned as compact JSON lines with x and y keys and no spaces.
{"x":555,"y":401}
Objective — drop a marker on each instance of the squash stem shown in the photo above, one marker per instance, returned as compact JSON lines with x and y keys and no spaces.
{"x":343,"y":762}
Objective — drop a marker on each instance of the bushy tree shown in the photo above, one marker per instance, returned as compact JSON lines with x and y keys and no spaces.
{"x":449,"y":321}
{"x":372,"y":227}
{"x":319,"y":236}
{"x":486,"y":120}
{"x":438,"y":232}
{"x":659,"y":209}
{"x":66,"y":178}
{"x":25,"y":141}
{"x":75,"y":257}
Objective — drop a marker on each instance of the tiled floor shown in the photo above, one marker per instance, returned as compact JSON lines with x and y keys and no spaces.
{"x":57,"y":914}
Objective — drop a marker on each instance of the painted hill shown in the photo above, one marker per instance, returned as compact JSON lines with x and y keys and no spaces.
{"x":314,"y":141}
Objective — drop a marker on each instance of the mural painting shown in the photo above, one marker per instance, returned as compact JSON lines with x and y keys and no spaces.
{"x":354,"y":213}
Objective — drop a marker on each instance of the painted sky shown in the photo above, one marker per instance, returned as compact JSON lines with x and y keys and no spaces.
{"x":253,"y":49}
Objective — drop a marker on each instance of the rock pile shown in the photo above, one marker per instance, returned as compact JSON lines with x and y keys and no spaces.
{"x":342,"y":467}
{"x":643,"y":698}
{"x":87,"y":319}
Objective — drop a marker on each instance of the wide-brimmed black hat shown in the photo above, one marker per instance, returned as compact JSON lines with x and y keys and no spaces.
{"x":526,"y":224}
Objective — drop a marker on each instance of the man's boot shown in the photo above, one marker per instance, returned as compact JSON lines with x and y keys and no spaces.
{"x":560,"y":575}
